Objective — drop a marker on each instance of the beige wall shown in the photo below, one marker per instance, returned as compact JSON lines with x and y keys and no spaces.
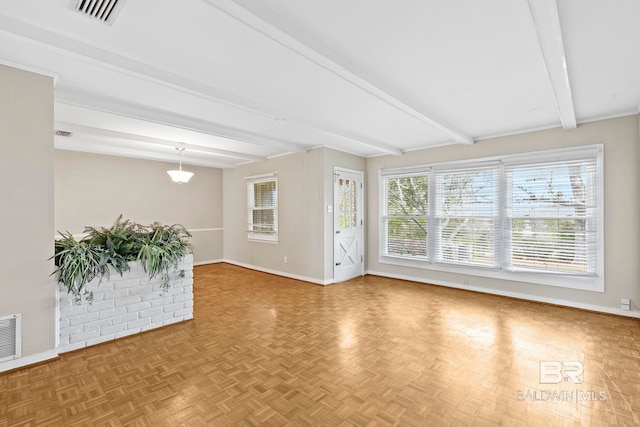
{"x":93,"y":189}
{"x":305,"y":227}
{"x":300,"y":236}
{"x":26,"y":194}
{"x":622,"y":207}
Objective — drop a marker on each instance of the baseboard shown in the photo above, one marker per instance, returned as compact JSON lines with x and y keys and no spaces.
{"x":27,"y":360}
{"x":565,"y":303}
{"x":211,"y":261}
{"x":279,"y":273}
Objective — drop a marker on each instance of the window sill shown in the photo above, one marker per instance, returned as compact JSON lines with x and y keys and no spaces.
{"x":272,"y":241}
{"x":560,"y":280}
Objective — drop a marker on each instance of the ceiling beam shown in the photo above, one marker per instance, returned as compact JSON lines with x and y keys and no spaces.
{"x":52,"y":41}
{"x":88,"y":130}
{"x":135,"y":111}
{"x":323,"y":59}
{"x":546,"y":23}
{"x":89,"y":145}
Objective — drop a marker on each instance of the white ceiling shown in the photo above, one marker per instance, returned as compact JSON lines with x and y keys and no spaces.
{"x":244,"y":80}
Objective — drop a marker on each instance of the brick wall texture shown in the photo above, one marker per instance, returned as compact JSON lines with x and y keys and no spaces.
{"x":124,"y":305}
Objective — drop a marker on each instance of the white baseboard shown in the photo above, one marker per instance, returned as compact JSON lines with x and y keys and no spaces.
{"x":279,"y":273}
{"x":565,"y":303}
{"x":211,"y":261}
{"x":27,"y":360}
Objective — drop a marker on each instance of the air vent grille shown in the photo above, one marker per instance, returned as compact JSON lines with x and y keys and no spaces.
{"x":100,"y":10}
{"x":10,"y":337}
{"x":64,"y":133}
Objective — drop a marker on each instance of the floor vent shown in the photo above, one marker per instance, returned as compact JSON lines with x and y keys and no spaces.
{"x":100,"y":10}
{"x":10,"y":327}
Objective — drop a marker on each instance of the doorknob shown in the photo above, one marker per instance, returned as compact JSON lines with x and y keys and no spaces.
{"x":338,"y":263}
{"x":337,"y":231}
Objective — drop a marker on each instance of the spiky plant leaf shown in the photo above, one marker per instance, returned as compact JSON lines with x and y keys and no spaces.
{"x":159,"y":248}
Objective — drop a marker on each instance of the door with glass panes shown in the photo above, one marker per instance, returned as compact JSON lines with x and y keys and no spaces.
{"x":348,"y":224}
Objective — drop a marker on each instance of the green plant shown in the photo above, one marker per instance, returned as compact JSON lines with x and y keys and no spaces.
{"x":78,"y":264}
{"x":159,"y":248}
{"x":120,"y":242}
{"x":162,"y":247}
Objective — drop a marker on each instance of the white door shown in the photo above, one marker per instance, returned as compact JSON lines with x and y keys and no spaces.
{"x":348,"y":225}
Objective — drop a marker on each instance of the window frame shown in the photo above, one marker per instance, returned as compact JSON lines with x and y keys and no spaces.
{"x":591,"y":281}
{"x":437,"y":214}
{"x":395,"y":174}
{"x":252,"y":235}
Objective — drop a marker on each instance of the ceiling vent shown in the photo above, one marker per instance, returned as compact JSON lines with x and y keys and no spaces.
{"x":64,"y":133}
{"x":100,"y":10}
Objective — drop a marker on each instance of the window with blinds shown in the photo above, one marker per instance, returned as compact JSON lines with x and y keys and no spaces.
{"x":466,"y":215}
{"x":552,"y":215}
{"x":534,"y":217}
{"x":262,"y":207}
{"x":404,"y":218}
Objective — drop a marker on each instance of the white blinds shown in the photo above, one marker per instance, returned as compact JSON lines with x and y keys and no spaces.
{"x":551,"y":215}
{"x":404,"y":214}
{"x":466,"y":215}
{"x":262,"y":207}
{"x":534,"y":213}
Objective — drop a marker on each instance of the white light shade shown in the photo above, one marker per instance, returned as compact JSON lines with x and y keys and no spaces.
{"x":180,"y":175}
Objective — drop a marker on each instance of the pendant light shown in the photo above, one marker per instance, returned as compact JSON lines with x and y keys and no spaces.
{"x":179,"y":175}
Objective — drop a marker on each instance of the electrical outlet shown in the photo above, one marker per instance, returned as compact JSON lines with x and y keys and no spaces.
{"x":625,"y":304}
{"x":286,"y":259}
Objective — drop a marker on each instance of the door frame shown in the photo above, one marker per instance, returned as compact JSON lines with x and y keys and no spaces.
{"x":360,"y":216}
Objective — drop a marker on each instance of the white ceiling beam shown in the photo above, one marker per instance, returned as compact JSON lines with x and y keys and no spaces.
{"x":135,"y":111}
{"x":546,"y":23}
{"x":89,"y":130}
{"x":324,"y":60}
{"x":95,"y":147}
{"x":45,"y":39}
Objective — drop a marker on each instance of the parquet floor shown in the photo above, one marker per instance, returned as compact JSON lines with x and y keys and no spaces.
{"x":264,"y":350}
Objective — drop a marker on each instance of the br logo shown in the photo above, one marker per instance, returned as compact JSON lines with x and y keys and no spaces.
{"x":554,"y":372}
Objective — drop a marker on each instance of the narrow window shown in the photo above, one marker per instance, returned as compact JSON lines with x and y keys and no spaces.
{"x":262,"y":208}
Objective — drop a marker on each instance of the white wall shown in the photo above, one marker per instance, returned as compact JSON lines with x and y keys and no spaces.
{"x":622,"y":209}
{"x":93,"y":189}
{"x":26,"y":194}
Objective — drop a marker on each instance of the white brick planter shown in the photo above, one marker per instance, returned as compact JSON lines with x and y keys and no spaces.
{"x":124,"y":305}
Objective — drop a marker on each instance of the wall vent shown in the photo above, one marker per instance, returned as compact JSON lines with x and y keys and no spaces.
{"x":64,"y":133}
{"x":100,"y":10}
{"x":10,"y":331}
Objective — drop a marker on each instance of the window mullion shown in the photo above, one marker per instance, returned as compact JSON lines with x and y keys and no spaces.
{"x":502,"y":241}
{"x":432,"y":222}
